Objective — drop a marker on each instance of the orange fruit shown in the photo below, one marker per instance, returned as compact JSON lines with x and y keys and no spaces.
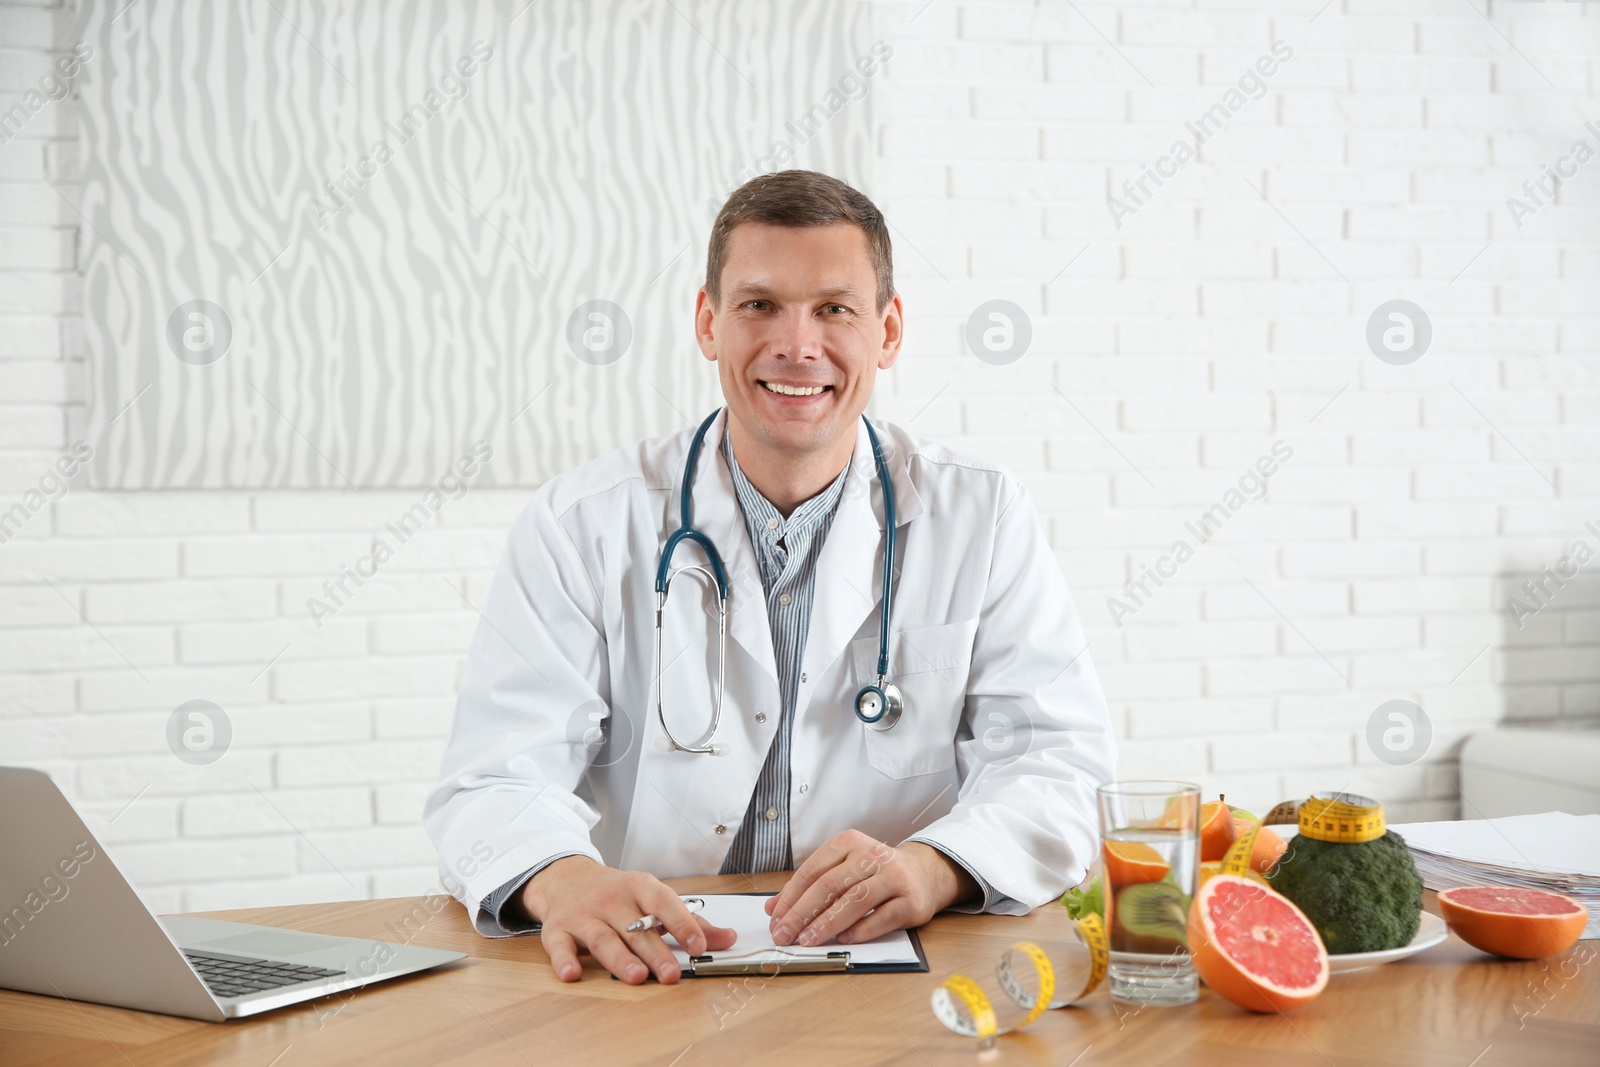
{"x":1217,"y":826}
{"x":1218,"y":830}
{"x":1270,"y":845}
{"x":1132,"y":862}
{"x":1252,"y":946}
{"x":1172,"y":816}
{"x":1524,"y":924}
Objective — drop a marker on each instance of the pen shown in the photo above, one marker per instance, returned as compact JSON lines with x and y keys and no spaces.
{"x":650,"y":922}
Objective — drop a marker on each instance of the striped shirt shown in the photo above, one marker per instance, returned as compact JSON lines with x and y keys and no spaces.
{"x":787,"y":551}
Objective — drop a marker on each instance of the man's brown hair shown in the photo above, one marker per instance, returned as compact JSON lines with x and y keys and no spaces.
{"x":801,"y":198}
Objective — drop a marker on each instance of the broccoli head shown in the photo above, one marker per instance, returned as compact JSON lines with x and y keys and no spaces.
{"x":1361,"y":897}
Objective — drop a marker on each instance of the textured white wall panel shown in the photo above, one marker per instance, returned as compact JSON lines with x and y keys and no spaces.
{"x":333,"y":244}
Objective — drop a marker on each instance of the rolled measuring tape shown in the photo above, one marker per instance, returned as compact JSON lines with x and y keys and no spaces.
{"x":963,"y":1007}
{"x":1286,"y":813}
{"x":1348,"y":818}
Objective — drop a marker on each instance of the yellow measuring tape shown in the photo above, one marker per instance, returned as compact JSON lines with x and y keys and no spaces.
{"x":963,"y":1007}
{"x":1237,"y":859}
{"x":1344,"y":817}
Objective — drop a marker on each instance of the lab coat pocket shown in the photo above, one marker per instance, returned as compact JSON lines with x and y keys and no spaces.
{"x":930,"y":665}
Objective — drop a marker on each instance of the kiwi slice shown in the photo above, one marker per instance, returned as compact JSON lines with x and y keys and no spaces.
{"x":1150,"y":917}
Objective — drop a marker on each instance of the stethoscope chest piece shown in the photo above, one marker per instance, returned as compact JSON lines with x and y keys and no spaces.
{"x":879,"y":706}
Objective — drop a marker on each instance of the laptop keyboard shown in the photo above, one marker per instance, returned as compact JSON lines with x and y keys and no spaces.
{"x":237,"y":976}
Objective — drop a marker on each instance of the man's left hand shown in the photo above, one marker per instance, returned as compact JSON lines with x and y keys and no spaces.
{"x":829,"y":897}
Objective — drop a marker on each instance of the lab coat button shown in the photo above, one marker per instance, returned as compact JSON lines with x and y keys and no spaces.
{"x":772,"y":813}
{"x":722,"y":829}
{"x":804,"y":787}
{"x":761,"y":716}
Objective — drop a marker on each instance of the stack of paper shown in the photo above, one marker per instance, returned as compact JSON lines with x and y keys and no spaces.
{"x":1554,"y":851}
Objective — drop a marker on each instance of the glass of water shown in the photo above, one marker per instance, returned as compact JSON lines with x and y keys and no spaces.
{"x":1150,"y":858}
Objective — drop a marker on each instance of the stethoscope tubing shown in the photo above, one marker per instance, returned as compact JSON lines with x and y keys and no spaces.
{"x":883,"y":697}
{"x":889,"y":537}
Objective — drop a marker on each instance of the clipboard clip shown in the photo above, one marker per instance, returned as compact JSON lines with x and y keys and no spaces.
{"x":709,"y":966}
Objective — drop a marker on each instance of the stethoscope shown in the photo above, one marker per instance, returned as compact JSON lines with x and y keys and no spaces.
{"x":878,"y":705}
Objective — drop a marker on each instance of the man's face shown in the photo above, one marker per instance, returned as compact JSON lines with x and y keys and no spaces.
{"x":797,"y":337}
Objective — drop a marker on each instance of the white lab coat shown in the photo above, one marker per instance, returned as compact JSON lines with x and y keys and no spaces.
{"x":554,"y":748}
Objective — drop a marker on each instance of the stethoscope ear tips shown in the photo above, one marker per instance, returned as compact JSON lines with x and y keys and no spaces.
{"x":719,"y":749}
{"x":663,"y":745}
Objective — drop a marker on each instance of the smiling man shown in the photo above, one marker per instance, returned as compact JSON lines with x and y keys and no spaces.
{"x":572,"y":783}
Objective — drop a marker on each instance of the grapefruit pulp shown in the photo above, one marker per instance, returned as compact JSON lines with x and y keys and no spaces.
{"x":1254,"y":947}
{"x":1525,"y":924}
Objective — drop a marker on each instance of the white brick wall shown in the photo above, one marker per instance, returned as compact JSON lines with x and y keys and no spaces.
{"x":1214,"y":322}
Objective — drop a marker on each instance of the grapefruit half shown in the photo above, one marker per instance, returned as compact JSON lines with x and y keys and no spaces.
{"x":1524,"y":924}
{"x":1254,"y":947}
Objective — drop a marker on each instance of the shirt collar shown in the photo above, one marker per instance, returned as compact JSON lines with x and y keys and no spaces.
{"x":760,"y":513}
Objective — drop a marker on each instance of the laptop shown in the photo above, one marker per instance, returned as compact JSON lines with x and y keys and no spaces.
{"x":71,"y":926}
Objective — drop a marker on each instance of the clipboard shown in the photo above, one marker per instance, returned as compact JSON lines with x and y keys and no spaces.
{"x":770,"y":960}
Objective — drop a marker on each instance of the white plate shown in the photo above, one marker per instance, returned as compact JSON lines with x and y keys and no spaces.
{"x":1430,"y":932}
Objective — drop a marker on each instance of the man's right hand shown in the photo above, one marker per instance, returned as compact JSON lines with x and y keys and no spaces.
{"x":580,"y":902}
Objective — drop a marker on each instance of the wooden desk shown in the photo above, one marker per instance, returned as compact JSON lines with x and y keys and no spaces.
{"x":1451,"y":1006}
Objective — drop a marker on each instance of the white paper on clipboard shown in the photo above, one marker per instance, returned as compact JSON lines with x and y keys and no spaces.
{"x":747,"y":914}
